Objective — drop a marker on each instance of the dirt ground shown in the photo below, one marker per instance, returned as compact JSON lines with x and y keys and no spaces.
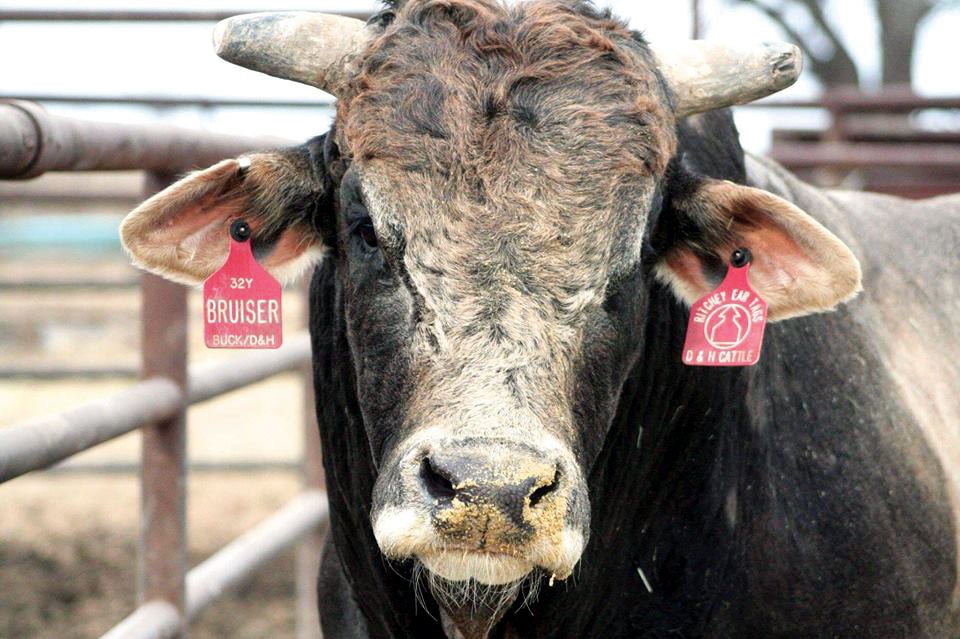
{"x":68,"y":554}
{"x":68,"y":540}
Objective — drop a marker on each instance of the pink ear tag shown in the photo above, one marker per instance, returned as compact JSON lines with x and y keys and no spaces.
{"x":726,"y":326}
{"x":242,"y":302}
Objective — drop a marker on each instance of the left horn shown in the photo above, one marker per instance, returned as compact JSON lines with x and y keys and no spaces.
{"x":310,"y":48}
{"x":708,"y":75}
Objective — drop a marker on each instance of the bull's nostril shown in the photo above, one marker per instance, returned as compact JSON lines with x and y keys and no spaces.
{"x":437,"y":484}
{"x":537,"y":496}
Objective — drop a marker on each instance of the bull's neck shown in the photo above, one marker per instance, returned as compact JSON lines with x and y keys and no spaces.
{"x":657,"y":486}
{"x":669,"y":406}
{"x":671,"y":424}
{"x":647,"y":486}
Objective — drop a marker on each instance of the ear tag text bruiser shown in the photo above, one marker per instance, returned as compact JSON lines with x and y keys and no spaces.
{"x":242,"y":302}
{"x":726,"y":326}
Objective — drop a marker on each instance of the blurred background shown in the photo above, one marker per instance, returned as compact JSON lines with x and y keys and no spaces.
{"x":878,"y":108}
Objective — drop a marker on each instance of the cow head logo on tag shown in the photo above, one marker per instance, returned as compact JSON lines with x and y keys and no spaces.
{"x":727,"y":326}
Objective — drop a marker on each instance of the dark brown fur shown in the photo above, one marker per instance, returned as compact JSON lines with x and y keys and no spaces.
{"x":484,"y":88}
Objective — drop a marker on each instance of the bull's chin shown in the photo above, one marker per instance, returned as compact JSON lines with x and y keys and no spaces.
{"x":489,"y":569}
{"x":473,"y":589}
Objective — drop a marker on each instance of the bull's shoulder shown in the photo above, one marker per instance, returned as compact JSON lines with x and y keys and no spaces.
{"x":909,"y":310}
{"x":920,"y":236}
{"x":913,"y":241}
{"x":893,"y":353}
{"x":909,"y":251}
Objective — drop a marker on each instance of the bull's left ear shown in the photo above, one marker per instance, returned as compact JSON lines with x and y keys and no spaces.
{"x":799,"y":267}
{"x":183,"y":232}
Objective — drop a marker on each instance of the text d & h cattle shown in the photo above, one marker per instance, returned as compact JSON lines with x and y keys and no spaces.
{"x":507,"y":226}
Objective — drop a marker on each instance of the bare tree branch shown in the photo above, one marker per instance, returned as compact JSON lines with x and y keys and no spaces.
{"x":781,"y":21}
{"x":899,"y":24}
{"x":839,"y":69}
{"x":816,"y":11}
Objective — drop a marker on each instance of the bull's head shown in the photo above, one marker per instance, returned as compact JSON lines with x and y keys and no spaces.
{"x":491,"y":197}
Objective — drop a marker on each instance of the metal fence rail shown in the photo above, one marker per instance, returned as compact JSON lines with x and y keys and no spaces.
{"x":238,"y":560}
{"x":228,"y":568}
{"x":843,"y":155}
{"x":42,"y":442}
{"x":32,"y":142}
{"x":167,"y":101}
{"x":873,"y":138}
{"x":136,"y":15}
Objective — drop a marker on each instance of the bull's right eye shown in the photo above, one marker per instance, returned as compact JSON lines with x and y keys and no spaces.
{"x":365,"y":230}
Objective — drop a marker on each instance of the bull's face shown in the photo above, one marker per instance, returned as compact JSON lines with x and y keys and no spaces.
{"x":489,"y":197}
{"x":508,"y":201}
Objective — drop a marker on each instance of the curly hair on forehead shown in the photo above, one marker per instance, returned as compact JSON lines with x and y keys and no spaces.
{"x":446,"y":74}
{"x":583,"y":7}
{"x":484,"y":22}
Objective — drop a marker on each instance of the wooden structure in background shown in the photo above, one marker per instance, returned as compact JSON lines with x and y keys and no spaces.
{"x":875,"y":142}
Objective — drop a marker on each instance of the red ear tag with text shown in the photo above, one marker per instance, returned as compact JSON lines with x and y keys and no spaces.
{"x":242,"y":302}
{"x":726,"y":326}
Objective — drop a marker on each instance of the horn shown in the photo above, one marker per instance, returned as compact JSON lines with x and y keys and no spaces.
{"x":310,"y":48}
{"x":709,"y":75}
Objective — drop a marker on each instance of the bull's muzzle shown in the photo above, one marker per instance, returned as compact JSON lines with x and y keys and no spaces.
{"x":492,"y":511}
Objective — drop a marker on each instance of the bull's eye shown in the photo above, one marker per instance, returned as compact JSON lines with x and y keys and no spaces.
{"x":367,"y":234}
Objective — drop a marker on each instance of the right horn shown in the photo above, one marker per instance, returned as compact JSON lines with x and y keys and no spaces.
{"x":708,"y":75}
{"x":311,"y":48}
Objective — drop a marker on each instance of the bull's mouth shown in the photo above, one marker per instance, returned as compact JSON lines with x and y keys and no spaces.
{"x":489,"y":569}
{"x":476,"y":589}
{"x":408,"y":534}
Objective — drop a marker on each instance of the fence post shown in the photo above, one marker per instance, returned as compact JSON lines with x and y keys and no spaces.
{"x":695,"y":26}
{"x":311,"y":546}
{"x":163,"y":537}
{"x":834,"y":104}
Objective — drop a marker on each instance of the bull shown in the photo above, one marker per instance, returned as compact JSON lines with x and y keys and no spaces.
{"x":506,"y":226}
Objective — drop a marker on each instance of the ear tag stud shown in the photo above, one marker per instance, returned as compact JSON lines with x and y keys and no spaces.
{"x":726,"y":326}
{"x":242,"y":303}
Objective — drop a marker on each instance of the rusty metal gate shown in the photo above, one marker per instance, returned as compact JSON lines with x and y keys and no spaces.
{"x":33,"y":142}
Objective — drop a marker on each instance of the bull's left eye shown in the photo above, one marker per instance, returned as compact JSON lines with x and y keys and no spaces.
{"x":364,"y":229}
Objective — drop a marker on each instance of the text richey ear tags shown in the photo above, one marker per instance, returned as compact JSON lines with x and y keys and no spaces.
{"x":726,"y":326}
{"x":242,"y":302}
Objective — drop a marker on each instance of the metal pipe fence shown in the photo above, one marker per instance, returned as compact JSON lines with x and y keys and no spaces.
{"x":227,"y":568}
{"x":168,"y":101}
{"x":44,"y":441}
{"x":873,"y":141}
{"x":138,"y":15}
{"x":32,"y":142}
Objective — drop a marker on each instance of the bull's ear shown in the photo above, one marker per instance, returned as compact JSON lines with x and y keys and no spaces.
{"x":183,"y":232}
{"x":799,"y":267}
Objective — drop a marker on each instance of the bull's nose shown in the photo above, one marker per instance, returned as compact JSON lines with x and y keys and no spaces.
{"x":489,"y":509}
{"x":474,"y":492}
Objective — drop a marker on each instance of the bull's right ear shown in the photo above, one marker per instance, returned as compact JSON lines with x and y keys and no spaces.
{"x":799,"y":266}
{"x":183,"y":232}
